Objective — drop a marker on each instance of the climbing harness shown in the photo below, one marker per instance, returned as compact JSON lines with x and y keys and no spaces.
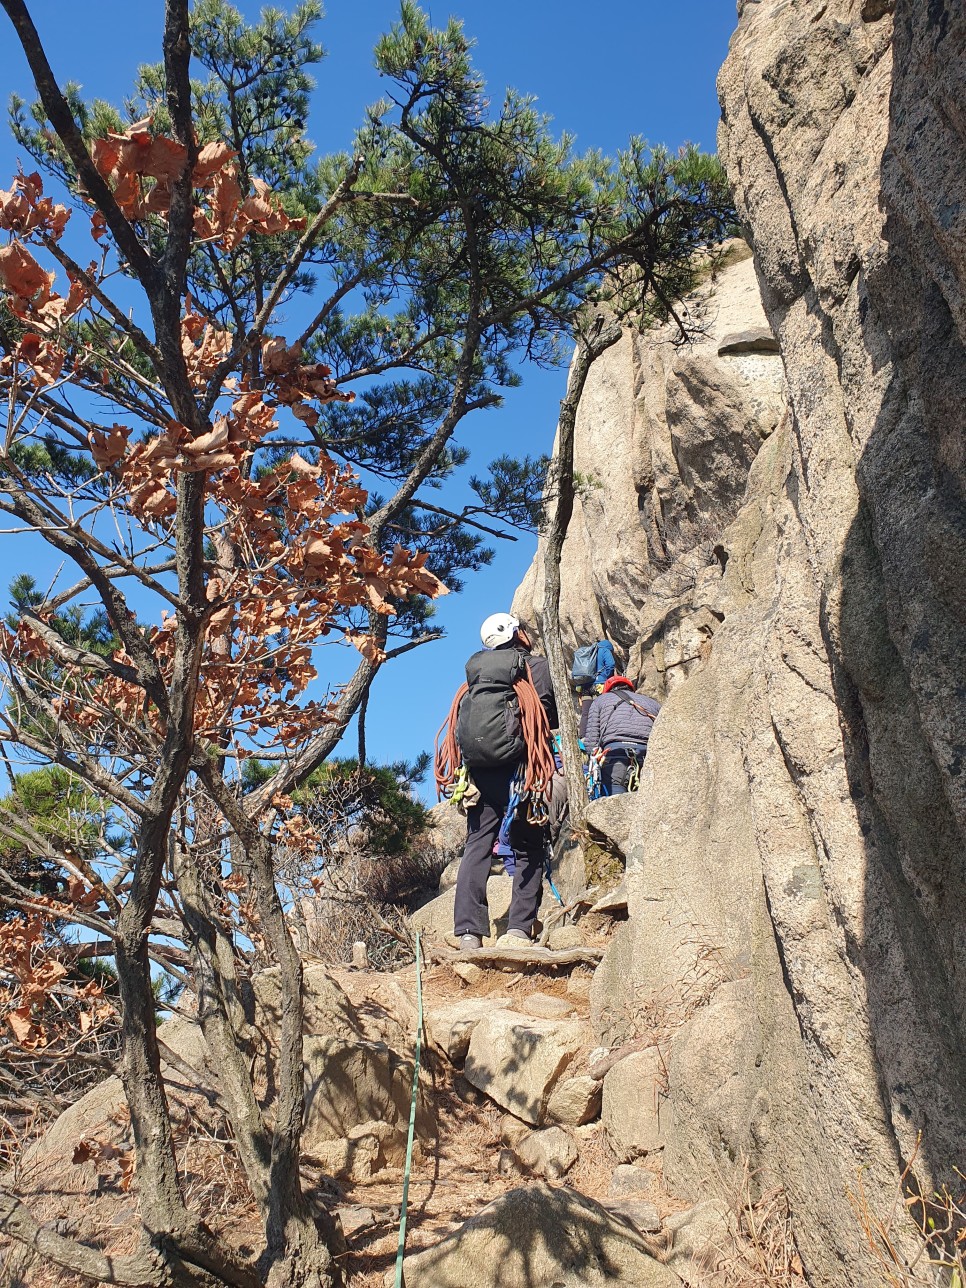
{"x":635,"y":758}
{"x":502,"y":848}
{"x":404,"y":1206}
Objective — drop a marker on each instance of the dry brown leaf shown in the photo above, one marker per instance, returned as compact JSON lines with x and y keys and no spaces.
{"x":211,"y":158}
{"x":109,"y":448}
{"x":367,"y":646}
{"x":21,"y":275}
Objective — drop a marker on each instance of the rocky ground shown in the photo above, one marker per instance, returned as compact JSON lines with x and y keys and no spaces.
{"x":539,"y":1150}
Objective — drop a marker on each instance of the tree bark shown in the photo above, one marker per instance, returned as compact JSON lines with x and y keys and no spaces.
{"x":562,"y":477}
{"x":223,"y":1022}
{"x":298,"y":1253}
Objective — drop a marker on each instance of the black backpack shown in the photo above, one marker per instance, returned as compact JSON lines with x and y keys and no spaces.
{"x":488,"y":727}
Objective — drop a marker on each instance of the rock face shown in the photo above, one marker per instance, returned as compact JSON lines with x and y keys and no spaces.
{"x":664,"y":440}
{"x":797,"y":922}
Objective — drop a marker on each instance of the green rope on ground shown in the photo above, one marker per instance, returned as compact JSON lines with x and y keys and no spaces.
{"x":412,"y":1116}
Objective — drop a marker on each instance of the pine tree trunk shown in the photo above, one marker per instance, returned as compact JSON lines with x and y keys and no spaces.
{"x":562,"y":481}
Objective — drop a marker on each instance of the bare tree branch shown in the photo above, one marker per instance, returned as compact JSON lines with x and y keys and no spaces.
{"x":138,"y":1271}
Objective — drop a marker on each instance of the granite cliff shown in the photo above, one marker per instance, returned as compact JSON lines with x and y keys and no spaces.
{"x":773,"y":529}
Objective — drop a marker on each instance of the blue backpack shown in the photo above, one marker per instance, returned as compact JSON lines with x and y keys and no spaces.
{"x":593,"y":665}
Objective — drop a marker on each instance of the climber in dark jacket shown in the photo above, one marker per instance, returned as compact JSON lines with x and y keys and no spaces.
{"x":619,"y":724}
{"x":500,"y":632}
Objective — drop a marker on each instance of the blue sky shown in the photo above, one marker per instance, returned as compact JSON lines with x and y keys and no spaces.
{"x":602,"y":72}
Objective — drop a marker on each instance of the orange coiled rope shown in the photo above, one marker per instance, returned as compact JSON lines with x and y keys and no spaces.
{"x":540,"y":764}
{"x":448,"y":757}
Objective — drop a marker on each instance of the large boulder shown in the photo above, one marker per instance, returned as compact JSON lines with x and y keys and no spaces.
{"x":549,"y":1152}
{"x":446,"y":828}
{"x":612,"y":819}
{"x":349,"y":1086}
{"x":436,"y":917}
{"x":517,"y":1060}
{"x":383,"y":1007}
{"x":536,"y":1237}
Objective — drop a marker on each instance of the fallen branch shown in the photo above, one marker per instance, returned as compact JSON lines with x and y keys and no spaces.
{"x":531,"y":956}
{"x":606,"y":1062}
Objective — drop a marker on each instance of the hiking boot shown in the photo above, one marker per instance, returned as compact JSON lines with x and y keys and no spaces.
{"x":513,"y":939}
{"x":469,"y":943}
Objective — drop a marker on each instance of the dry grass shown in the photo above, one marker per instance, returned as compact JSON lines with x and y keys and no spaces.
{"x":920,"y":1240}
{"x":18,"y":1132}
{"x":756,"y":1245}
{"x":592,"y":1171}
{"x":764,"y":1253}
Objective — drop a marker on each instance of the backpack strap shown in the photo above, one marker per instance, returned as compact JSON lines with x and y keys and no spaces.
{"x":626,"y":697}
{"x":621,"y":696}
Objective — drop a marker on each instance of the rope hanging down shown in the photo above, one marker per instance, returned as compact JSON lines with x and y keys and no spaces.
{"x":540,"y":765}
{"x":404,"y":1206}
{"x":447,"y":757}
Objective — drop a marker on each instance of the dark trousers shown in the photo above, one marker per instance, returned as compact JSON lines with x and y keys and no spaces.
{"x":615,"y":769}
{"x":482,"y":827}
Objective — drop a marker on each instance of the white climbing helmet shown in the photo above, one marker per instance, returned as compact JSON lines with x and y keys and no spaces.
{"x":499,"y":628}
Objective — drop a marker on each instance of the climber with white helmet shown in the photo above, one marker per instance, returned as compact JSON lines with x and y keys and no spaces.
{"x":500,"y":628}
{"x":499,"y":731}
